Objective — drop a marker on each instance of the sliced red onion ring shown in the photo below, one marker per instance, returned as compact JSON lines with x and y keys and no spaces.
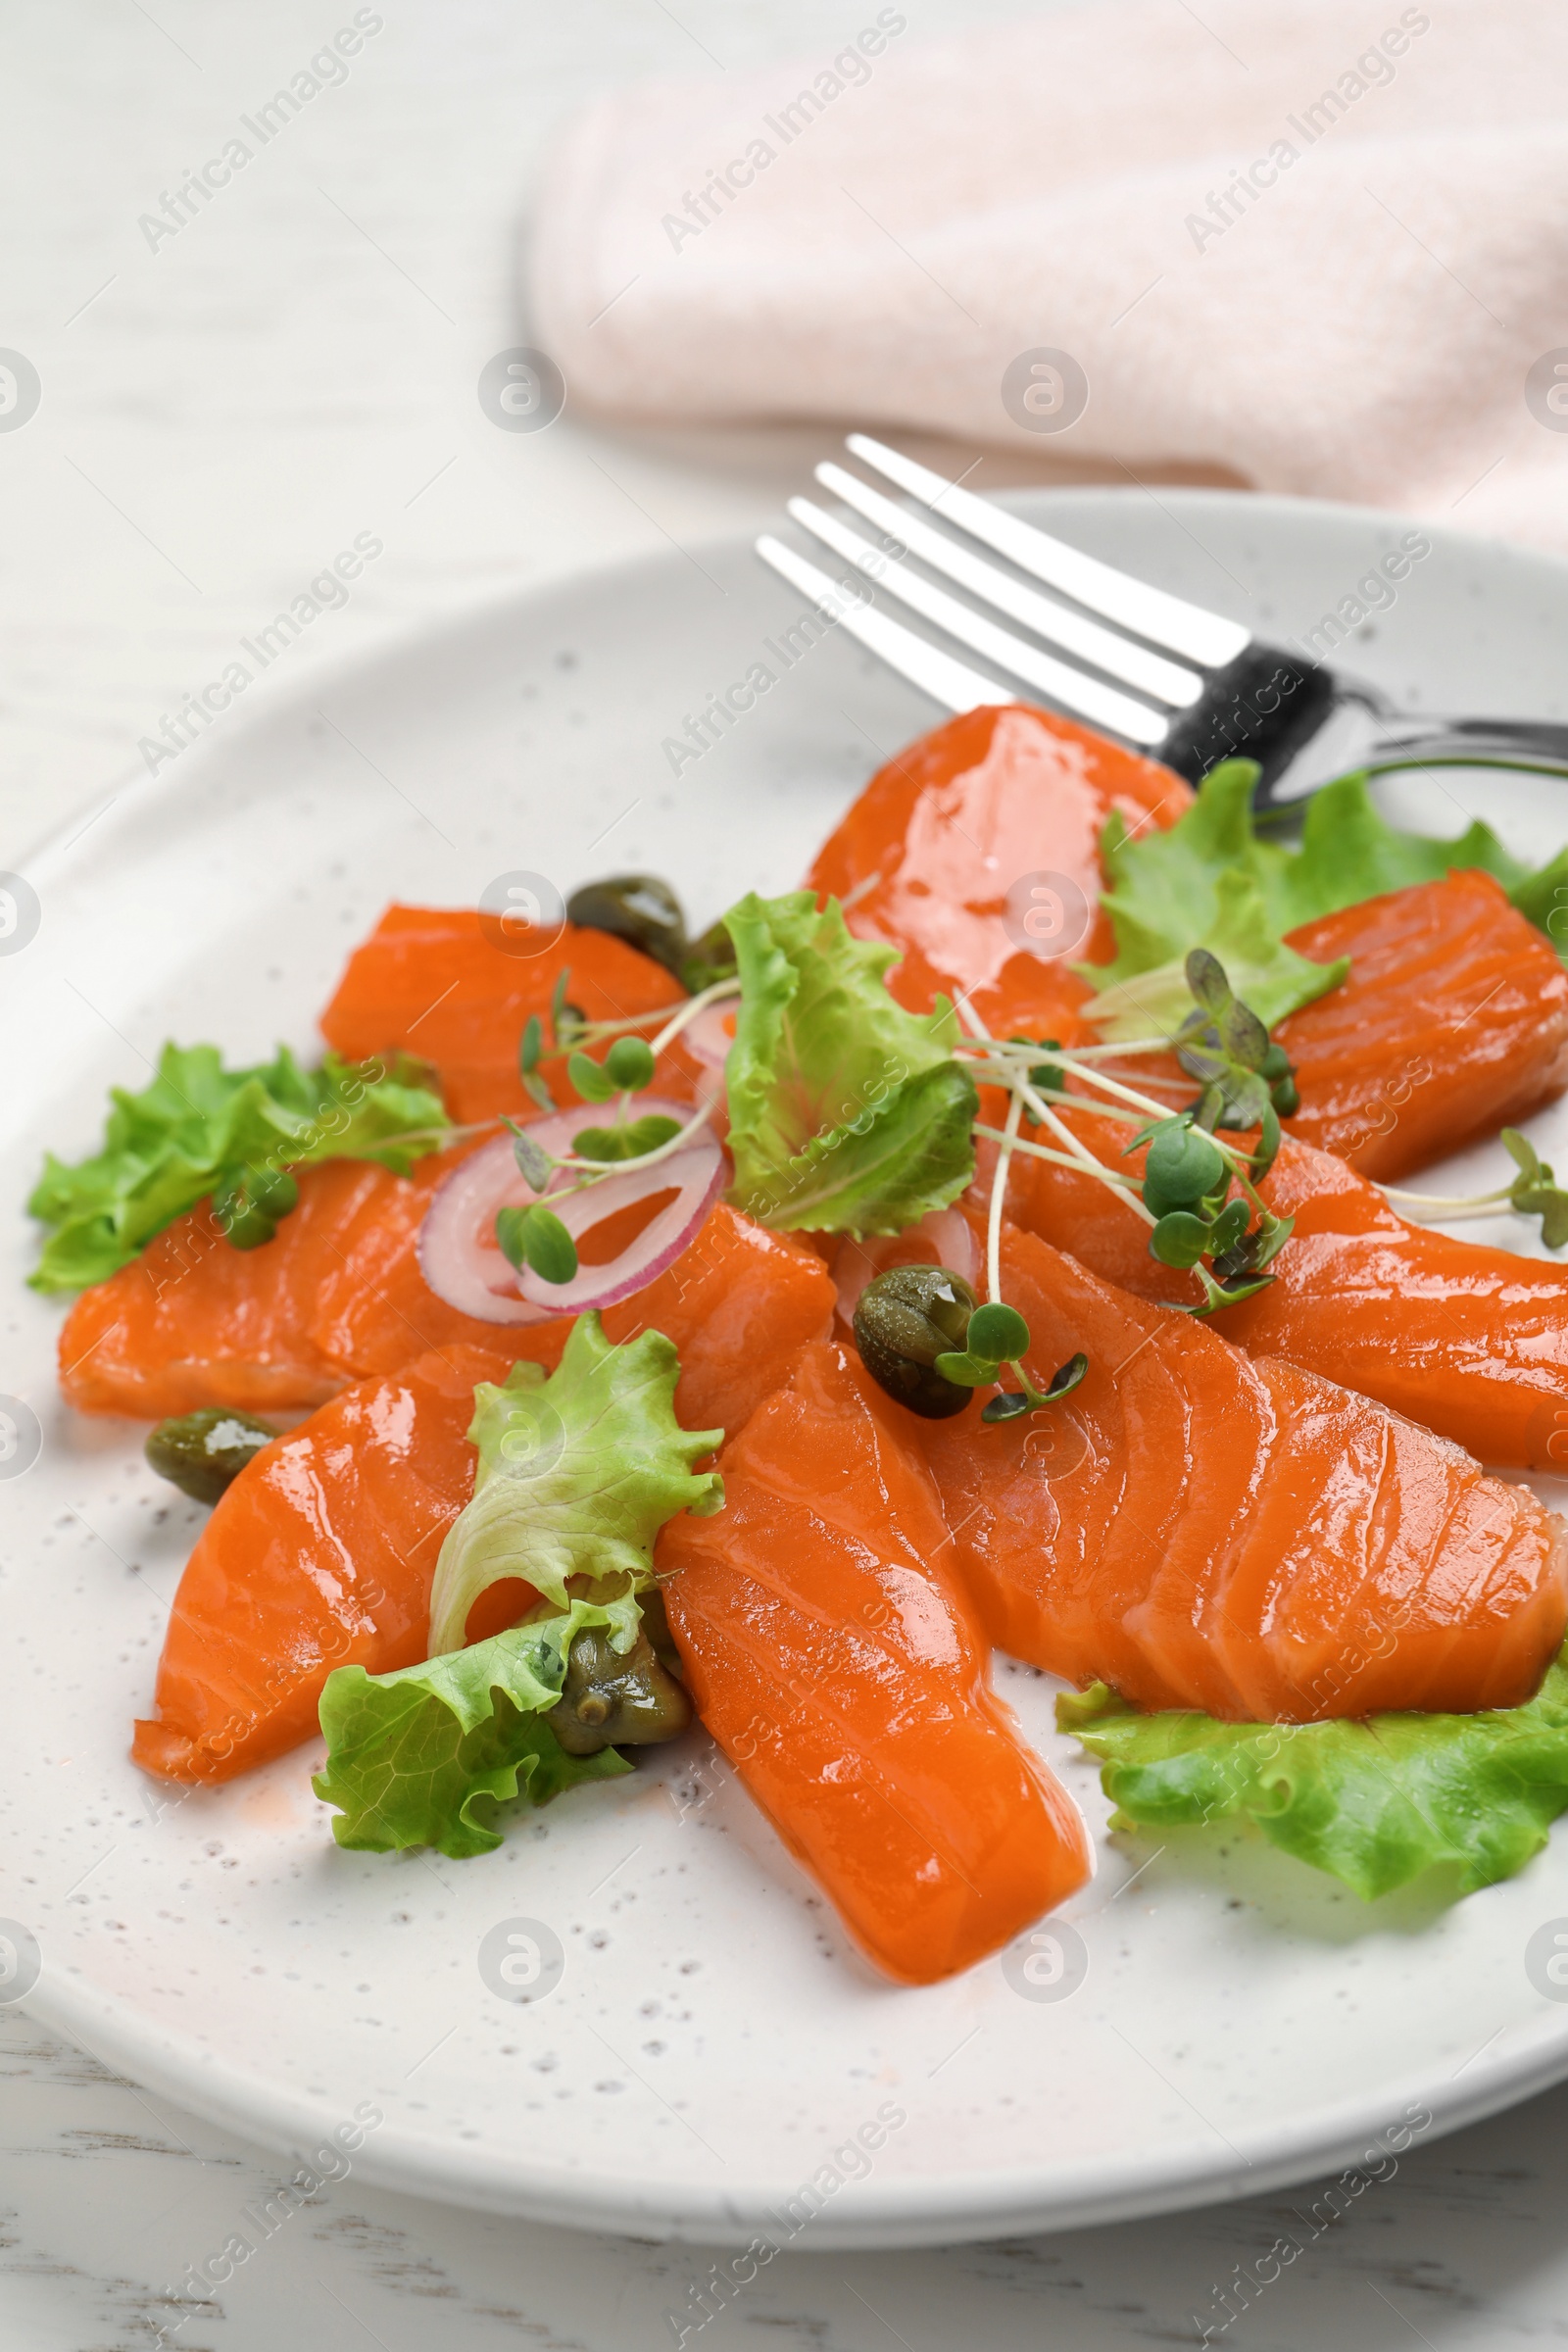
{"x":943,"y":1238}
{"x":462,"y":1260}
{"x":711,"y":1033}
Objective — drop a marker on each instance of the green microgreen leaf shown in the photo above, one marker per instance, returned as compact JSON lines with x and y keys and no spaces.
{"x":1179,"y":1239}
{"x":590,"y":1079}
{"x":1535,"y":1192}
{"x":997,"y":1333}
{"x":530,"y":1045}
{"x":534,"y":1163}
{"x":566,"y":1021}
{"x":628,"y":1142}
{"x":630,"y":1063}
{"x":1183,"y":1166}
{"x":536,"y":1238}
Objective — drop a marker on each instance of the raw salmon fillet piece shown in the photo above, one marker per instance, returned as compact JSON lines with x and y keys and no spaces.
{"x":1454,"y":1022}
{"x":431,"y":981}
{"x":835,"y":1661}
{"x":1469,"y":1341}
{"x":321,"y":1554}
{"x":194,"y":1321}
{"x":946,"y":843}
{"x":1202,"y":1529}
{"x":339,"y":1296}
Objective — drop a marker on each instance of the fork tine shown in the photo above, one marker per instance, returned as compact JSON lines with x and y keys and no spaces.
{"x":1101,"y":705}
{"x":1121,"y":657}
{"x":949,"y":682}
{"x":1169,"y":620}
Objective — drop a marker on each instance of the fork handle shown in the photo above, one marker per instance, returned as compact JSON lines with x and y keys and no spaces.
{"x":1527,"y":742}
{"x":1263,"y":705}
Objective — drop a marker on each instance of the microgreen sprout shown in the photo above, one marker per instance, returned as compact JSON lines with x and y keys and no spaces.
{"x":1533,"y":1193}
{"x":1184,"y":1193}
{"x":535,"y":1237}
{"x":1224,"y":1044}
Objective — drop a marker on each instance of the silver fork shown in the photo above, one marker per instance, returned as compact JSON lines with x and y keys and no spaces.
{"x":1183,"y":684}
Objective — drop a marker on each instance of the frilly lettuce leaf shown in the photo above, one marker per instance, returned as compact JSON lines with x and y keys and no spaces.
{"x":1210,"y":882}
{"x":576,"y":1476}
{"x":425,"y":1756}
{"x":169,"y":1145}
{"x":847,"y":1113}
{"x":1263,"y":972}
{"x":1374,"y":1803}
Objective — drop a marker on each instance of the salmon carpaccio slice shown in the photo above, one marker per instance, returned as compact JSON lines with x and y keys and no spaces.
{"x":1470,"y":1341}
{"x":321,"y":1554}
{"x":339,"y":1296}
{"x":430,"y":981}
{"x":1202,"y":1529}
{"x":938,"y":853}
{"x":1453,"y":1021}
{"x":194,"y":1321}
{"x":841,"y":1669}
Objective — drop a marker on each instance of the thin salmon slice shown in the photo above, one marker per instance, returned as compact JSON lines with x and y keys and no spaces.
{"x":1469,"y":1341}
{"x":975,"y":852}
{"x":338,"y":1297}
{"x":837,"y":1662}
{"x":1201,"y":1529}
{"x":1454,"y":1020}
{"x":194,"y":1321}
{"x":322,"y":1551}
{"x":1452,"y":1023}
{"x":321,"y":1554}
{"x":432,"y":981}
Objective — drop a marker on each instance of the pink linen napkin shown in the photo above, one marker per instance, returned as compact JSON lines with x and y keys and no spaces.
{"x":1324,"y":247}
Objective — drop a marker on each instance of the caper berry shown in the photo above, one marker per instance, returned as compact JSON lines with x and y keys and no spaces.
{"x":904,"y":1320}
{"x":709,"y":959}
{"x":613,"y":1698}
{"x":640,"y":908}
{"x":248,"y":1202}
{"x":202,"y":1453}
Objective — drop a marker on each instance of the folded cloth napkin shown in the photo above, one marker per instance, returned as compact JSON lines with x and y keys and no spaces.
{"x":1322,"y":247}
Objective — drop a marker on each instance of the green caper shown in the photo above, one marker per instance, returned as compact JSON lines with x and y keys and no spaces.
{"x":202,"y":1453}
{"x":709,"y":959}
{"x":904,"y":1320}
{"x":613,"y":1698}
{"x":640,"y":908}
{"x":248,"y":1202}
{"x":656,"y":1625}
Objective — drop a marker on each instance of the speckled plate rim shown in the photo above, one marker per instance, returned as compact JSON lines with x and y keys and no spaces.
{"x":870,"y":2214}
{"x":864,"y":2217}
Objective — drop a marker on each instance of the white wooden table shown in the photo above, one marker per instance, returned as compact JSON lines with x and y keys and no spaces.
{"x":221,"y":410}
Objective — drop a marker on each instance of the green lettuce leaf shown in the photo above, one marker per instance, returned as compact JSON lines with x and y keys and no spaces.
{"x":169,"y":1145}
{"x":1209,"y":881}
{"x":1374,"y":1803}
{"x":427,"y":1755}
{"x":1264,"y":973}
{"x":576,"y":1476}
{"x":847,"y":1113}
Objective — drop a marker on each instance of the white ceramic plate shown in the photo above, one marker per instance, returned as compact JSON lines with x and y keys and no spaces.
{"x":713,"y":2047}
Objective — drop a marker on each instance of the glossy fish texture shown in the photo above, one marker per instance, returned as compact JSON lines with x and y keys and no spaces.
{"x":1454,"y":1022}
{"x":834,"y":1658}
{"x":321,"y":1554}
{"x":339,"y":1296}
{"x":1470,"y":1341}
{"x":440,"y":982}
{"x":975,"y":852}
{"x":1202,"y":1529}
{"x":194,"y":1321}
